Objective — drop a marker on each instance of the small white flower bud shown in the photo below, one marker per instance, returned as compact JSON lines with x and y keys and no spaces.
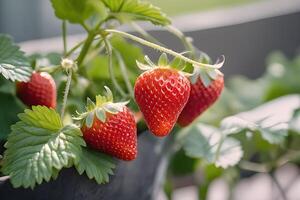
{"x":68,"y":64}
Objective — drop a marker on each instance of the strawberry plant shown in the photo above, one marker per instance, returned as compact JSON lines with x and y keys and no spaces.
{"x":48,"y":126}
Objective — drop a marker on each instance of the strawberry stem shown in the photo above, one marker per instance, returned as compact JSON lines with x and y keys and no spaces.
{"x":111,"y":72}
{"x":145,"y":34}
{"x":185,"y":40}
{"x":124,"y":73}
{"x":64,"y":35}
{"x":85,"y":48}
{"x":163,"y":49}
{"x":66,"y":93}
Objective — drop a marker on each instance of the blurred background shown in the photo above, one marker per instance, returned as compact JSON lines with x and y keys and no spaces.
{"x":250,"y":29}
{"x":260,"y":39}
{"x":33,"y":19}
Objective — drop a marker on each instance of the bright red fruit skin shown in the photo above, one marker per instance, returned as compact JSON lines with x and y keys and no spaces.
{"x":201,"y":98}
{"x":116,"y":136}
{"x":40,"y":90}
{"x":161,"y":94}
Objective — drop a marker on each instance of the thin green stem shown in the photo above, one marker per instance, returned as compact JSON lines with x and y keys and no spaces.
{"x":86,"y":28}
{"x":163,"y":49}
{"x":124,"y":74}
{"x":145,"y":34}
{"x":85,"y":48}
{"x":95,"y":52}
{"x":111,"y":72}
{"x":74,"y":48}
{"x":77,"y":46}
{"x":66,"y":93}
{"x":64,"y":35}
{"x":185,"y":41}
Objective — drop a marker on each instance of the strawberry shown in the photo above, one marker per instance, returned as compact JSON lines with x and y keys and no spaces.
{"x":39,"y":90}
{"x":110,"y":127}
{"x":201,"y":98}
{"x":161,"y":93}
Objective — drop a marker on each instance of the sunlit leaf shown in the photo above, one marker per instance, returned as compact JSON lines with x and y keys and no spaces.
{"x":126,"y":10}
{"x":13,"y":64}
{"x":271,"y":119}
{"x":39,"y":146}
{"x":96,"y":165}
{"x":208,"y":143}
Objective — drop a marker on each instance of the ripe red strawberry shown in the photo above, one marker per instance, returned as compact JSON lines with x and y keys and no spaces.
{"x":40,"y":90}
{"x":110,"y":127}
{"x":161,"y":93}
{"x":200,"y":99}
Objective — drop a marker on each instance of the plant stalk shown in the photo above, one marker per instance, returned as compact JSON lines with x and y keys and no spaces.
{"x":145,"y":34}
{"x":66,"y":93}
{"x":186,"y":43}
{"x":110,"y":63}
{"x":85,"y":48}
{"x":160,"y":48}
{"x":124,"y":74}
{"x":64,"y":36}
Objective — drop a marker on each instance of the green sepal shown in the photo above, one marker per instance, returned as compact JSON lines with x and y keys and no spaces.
{"x":108,"y":97}
{"x":149,"y":61}
{"x":177,"y":63}
{"x":142,"y":66}
{"x":90,"y":119}
{"x":206,"y":79}
{"x":104,"y":104}
{"x":207,"y":75}
{"x":100,"y":114}
{"x":90,"y":105}
{"x":163,"y":60}
{"x":213,"y":73}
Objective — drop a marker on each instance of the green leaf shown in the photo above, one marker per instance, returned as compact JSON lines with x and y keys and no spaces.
{"x":39,"y":146}
{"x":96,"y":165}
{"x":126,"y":10}
{"x":76,"y":11}
{"x":10,"y":106}
{"x":295,"y":122}
{"x":181,"y":164}
{"x":13,"y":64}
{"x":208,"y":143}
{"x":271,"y":119}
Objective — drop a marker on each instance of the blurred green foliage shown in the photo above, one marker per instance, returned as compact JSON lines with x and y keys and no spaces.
{"x":176,"y":7}
{"x":281,"y":78}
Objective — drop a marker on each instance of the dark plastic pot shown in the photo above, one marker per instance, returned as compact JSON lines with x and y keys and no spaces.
{"x":140,"y":179}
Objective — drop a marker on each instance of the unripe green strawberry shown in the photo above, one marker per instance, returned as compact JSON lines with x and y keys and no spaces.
{"x":161,"y":93}
{"x":110,"y":128}
{"x":39,"y":90}
{"x":201,"y":98}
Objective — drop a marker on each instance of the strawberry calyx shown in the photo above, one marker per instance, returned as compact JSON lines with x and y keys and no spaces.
{"x":207,"y":76}
{"x":163,"y":62}
{"x":103,"y":106}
